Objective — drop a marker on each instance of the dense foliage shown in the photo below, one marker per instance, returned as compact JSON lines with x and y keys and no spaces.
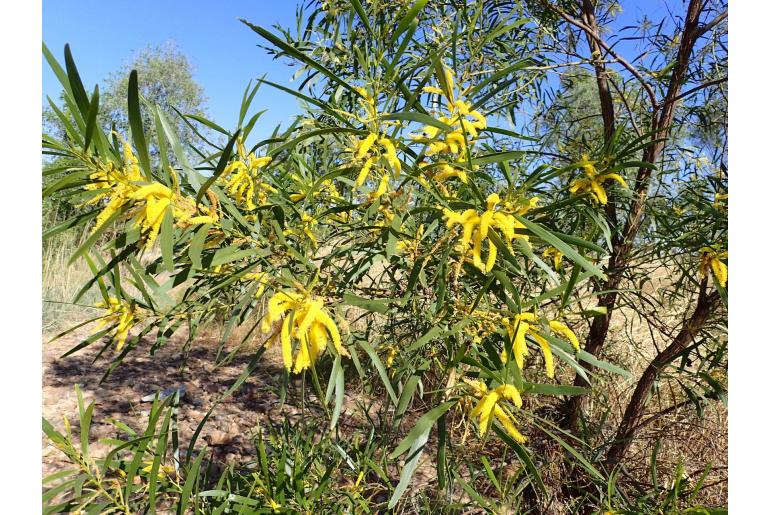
{"x":415,"y":238}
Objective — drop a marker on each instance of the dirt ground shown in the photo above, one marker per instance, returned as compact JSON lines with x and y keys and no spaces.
{"x":229,"y":428}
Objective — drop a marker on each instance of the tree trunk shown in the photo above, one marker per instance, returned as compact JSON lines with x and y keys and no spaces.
{"x":635,"y":409}
{"x":623,"y":241}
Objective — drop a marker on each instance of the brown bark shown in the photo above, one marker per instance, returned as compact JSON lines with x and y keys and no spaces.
{"x":623,"y":241}
{"x":632,"y":417}
{"x":602,"y":80}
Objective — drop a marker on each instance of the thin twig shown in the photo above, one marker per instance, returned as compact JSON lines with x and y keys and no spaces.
{"x":713,"y":23}
{"x":696,"y":89}
{"x":628,"y":66}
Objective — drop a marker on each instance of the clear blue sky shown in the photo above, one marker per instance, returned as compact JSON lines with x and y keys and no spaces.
{"x":224,"y":54}
{"x":104,"y":35}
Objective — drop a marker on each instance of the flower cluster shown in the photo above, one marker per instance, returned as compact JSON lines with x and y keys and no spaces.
{"x":372,"y":153}
{"x":489,"y":408}
{"x":305,"y":321}
{"x":149,"y":200}
{"x":122,"y":315}
{"x":241,"y":181}
{"x":476,"y":228}
{"x":592,"y":182}
{"x":465,"y":122}
{"x":530,"y":323}
{"x":555,"y":255}
{"x":712,"y":258}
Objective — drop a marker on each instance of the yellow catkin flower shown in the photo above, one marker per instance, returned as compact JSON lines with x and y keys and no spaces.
{"x":369,"y":104}
{"x":121,"y":314}
{"x":592,"y":181}
{"x":465,"y":122}
{"x":555,"y":255}
{"x":711,"y":258}
{"x":362,"y":147}
{"x":260,"y":278}
{"x":720,"y":201}
{"x":447,"y":171}
{"x":157,"y":199}
{"x":241,"y":181}
{"x":114,"y":184}
{"x":305,"y":321}
{"x":148,"y":202}
{"x":308,"y":222}
{"x":476,"y":227}
{"x":529,"y":323}
{"x":371,"y":153}
{"x":488,"y":408}
{"x":163,"y":470}
{"x":382,"y":188}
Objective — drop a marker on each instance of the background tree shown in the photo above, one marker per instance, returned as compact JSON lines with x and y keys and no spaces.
{"x":165,"y":78}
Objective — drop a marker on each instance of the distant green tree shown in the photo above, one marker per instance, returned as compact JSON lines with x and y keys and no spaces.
{"x":165,"y":78}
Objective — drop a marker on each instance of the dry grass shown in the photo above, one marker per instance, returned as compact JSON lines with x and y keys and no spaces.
{"x":61,"y":282}
{"x":699,"y":441}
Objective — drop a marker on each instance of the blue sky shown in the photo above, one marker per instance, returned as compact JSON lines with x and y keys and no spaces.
{"x":223,"y":51}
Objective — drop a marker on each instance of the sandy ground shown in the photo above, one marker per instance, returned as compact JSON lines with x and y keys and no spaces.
{"x":119,"y":396}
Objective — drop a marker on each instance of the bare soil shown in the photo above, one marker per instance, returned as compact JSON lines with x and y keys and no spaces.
{"x":228,"y":431}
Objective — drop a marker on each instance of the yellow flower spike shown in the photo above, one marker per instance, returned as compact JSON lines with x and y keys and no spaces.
{"x":318,"y":337}
{"x":305,"y":355}
{"x":121,"y":314}
{"x":476,"y":229}
{"x":556,"y":255}
{"x":309,"y":312}
{"x":455,"y":141}
{"x":530,"y":323}
{"x":491,"y":257}
{"x":241,"y":149}
{"x":562,"y":329}
{"x":381,"y":189}
{"x":484,"y":410}
{"x":240,"y":179}
{"x":712,"y":259}
{"x":488,"y":408}
{"x":479,"y":388}
{"x":448,"y":171}
{"x":599,"y":192}
{"x":157,"y":199}
{"x":364,"y":172}
{"x":481,"y":121}
{"x":363,"y":146}
{"x":330,"y":326}
{"x":508,"y":423}
{"x":720,"y":272}
{"x":520,"y":343}
{"x":615,"y":177}
{"x":306,"y":322}
{"x":259,"y":162}
{"x":591,"y":182}
{"x":509,"y":392}
{"x":719,"y":200}
{"x":390,"y":155}
{"x":587,"y":165}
